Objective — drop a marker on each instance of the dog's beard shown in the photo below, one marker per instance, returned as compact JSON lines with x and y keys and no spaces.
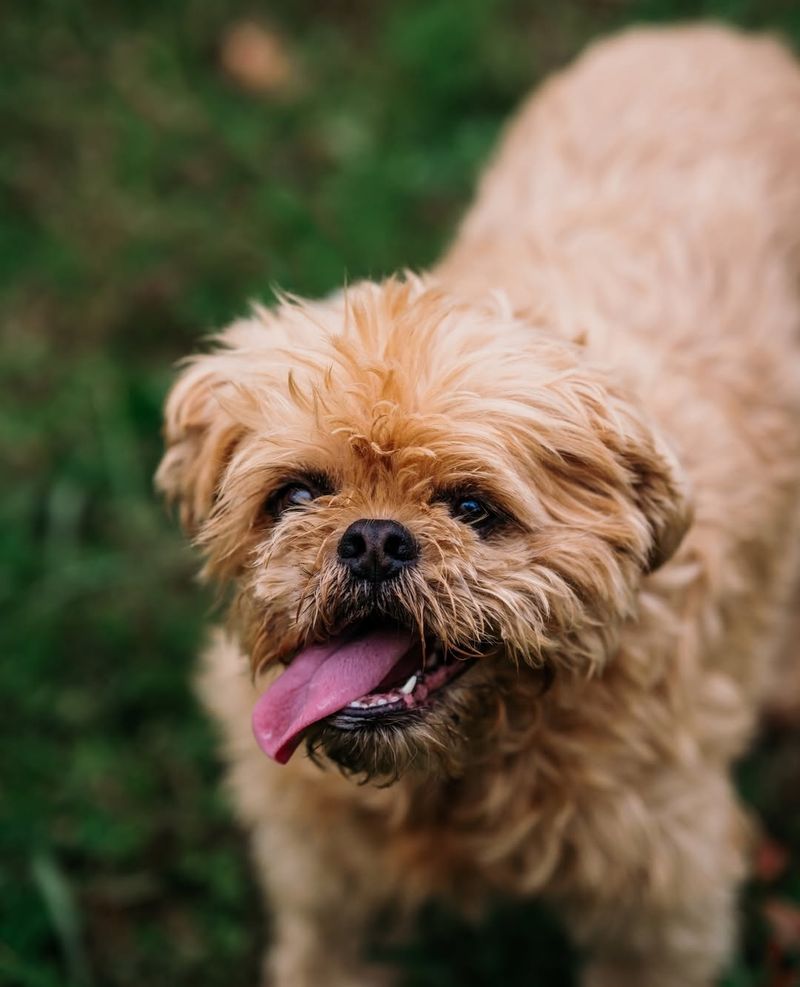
{"x":449,"y":730}
{"x":469,"y":720}
{"x":431,"y":726}
{"x":441,"y":738}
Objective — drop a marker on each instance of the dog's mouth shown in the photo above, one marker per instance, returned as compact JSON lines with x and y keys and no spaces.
{"x":371,"y":674}
{"x":421,"y":672}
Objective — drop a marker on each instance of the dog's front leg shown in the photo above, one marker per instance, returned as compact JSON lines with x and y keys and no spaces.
{"x":322,"y":909}
{"x":671,"y":921}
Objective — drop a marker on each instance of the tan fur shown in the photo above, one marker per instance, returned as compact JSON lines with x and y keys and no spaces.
{"x":610,"y":351}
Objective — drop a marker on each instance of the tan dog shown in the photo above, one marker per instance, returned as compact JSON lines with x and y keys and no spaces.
{"x":446,"y":504}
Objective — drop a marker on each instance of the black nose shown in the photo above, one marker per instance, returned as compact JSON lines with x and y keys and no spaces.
{"x":377,"y":550}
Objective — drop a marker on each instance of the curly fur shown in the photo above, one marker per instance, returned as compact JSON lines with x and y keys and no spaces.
{"x":610,"y":353}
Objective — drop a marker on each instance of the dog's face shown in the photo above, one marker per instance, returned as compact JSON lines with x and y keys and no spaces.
{"x":423,"y":506}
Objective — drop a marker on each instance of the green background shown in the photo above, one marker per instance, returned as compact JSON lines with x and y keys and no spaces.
{"x":146,"y":196}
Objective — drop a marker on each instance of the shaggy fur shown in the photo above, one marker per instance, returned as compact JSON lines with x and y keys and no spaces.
{"x":610,"y":355}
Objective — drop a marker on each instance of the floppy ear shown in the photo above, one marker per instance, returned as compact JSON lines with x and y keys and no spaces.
{"x":656,"y":480}
{"x":200,"y":437}
{"x":662,"y":493}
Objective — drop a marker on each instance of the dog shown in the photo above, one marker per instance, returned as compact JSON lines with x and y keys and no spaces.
{"x":513,"y":542}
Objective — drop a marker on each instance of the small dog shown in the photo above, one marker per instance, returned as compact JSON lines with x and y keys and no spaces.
{"x":515,"y":541}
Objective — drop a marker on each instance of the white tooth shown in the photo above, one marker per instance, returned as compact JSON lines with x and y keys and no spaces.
{"x":408,"y":688}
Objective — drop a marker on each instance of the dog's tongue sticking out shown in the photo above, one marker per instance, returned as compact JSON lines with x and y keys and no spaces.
{"x":322,"y":679}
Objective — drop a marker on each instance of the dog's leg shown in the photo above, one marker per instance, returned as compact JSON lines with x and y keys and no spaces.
{"x":321,"y":910}
{"x":671,"y":921}
{"x":317,"y":864}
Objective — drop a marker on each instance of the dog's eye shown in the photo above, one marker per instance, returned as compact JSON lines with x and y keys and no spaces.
{"x":472,"y":511}
{"x":292,"y":495}
{"x":299,"y":492}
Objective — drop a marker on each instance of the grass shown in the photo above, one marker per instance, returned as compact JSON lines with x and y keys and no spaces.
{"x":147,"y":197}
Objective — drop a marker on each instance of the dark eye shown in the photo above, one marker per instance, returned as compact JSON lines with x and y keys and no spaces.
{"x":472,"y":511}
{"x":292,"y":495}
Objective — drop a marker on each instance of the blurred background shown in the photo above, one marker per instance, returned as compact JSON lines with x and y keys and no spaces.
{"x":161,"y":164}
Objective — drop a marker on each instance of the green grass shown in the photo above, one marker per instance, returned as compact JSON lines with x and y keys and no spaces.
{"x":146,"y":198}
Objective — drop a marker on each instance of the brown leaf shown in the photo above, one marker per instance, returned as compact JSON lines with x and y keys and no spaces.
{"x":257,"y":59}
{"x":771,"y":860}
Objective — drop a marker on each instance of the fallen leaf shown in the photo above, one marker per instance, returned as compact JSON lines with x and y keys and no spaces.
{"x":257,"y":59}
{"x":771,"y":860}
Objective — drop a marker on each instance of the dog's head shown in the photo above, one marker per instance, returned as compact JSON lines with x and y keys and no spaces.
{"x":422,"y":505}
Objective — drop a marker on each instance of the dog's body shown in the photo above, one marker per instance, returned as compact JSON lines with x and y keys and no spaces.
{"x":611,"y":345}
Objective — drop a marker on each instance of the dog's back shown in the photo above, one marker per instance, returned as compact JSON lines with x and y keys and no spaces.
{"x":690,"y":131}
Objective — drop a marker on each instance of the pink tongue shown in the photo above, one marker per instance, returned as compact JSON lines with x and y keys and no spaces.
{"x":321,"y":680}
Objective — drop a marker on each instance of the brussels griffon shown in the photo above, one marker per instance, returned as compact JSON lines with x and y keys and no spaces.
{"x":513,"y":542}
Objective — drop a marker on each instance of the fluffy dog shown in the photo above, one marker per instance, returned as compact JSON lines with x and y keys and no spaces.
{"x":514,"y":541}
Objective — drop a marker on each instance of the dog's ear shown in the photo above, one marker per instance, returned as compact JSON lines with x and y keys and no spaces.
{"x":657,"y":483}
{"x":662,"y":493}
{"x":200,"y":436}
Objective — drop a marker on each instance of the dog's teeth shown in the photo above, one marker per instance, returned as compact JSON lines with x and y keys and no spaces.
{"x":368,"y":702}
{"x":409,"y":687}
